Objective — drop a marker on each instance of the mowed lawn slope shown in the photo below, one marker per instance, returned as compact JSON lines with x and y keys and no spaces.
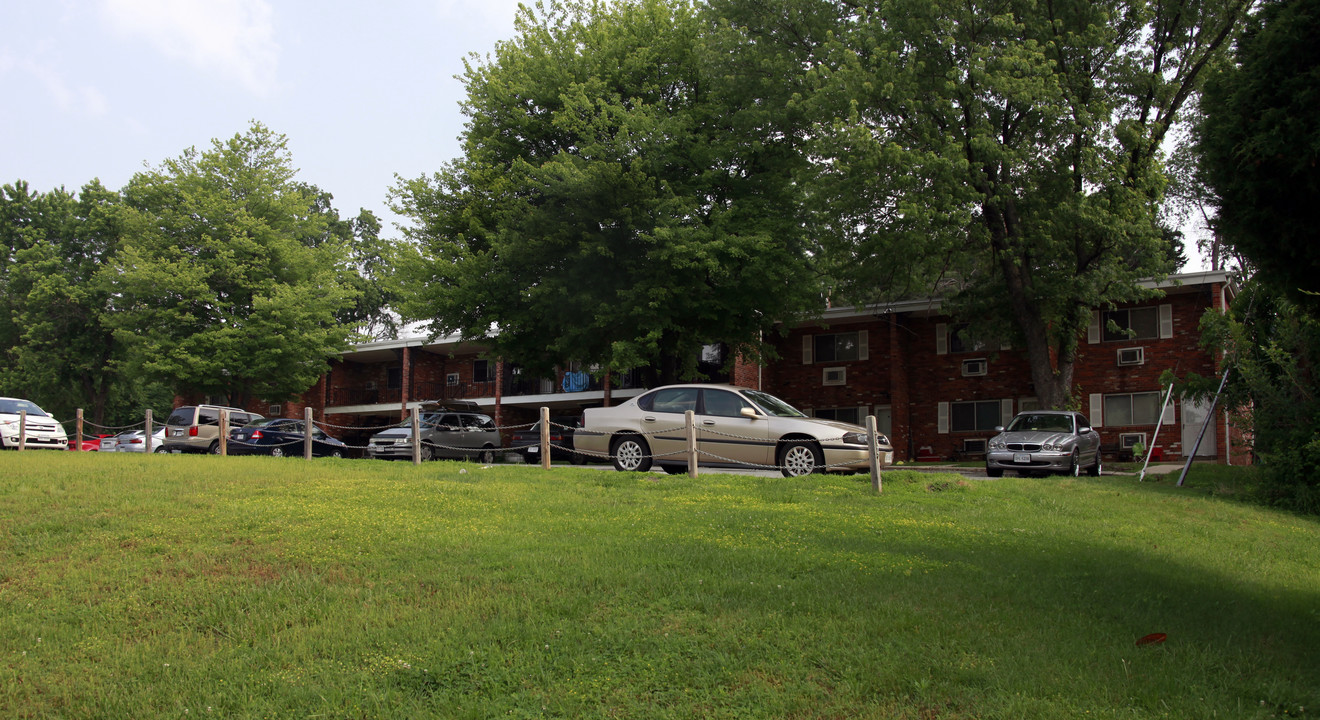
{"x":173,"y":586}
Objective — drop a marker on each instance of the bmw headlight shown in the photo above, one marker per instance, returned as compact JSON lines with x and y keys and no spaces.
{"x":998,"y":445}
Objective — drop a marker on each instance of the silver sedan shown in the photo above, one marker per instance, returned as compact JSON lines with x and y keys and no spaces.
{"x":1045,"y":441}
{"x":735,"y":427}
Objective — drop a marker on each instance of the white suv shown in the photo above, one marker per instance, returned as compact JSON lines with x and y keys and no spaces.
{"x":42,"y":430}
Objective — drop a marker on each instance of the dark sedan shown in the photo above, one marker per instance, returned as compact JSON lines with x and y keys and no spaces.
{"x":279,"y":437}
{"x":528,"y":441}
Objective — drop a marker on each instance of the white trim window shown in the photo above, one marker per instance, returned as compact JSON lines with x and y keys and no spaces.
{"x":835,"y":347}
{"x":972,"y":416}
{"x":1141,"y":408}
{"x":1154,"y":322}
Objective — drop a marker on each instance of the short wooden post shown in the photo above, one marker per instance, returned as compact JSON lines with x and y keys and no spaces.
{"x":545,"y":438}
{"x":22,"y":430}
{"x":307,"y":433}
{"x":78,"y":429}
{"x":690,"y":421}
{"x":873,"y":443}
{"x":416,"y":437}
{"x":147,"y":440}
{"x":224,"y":432}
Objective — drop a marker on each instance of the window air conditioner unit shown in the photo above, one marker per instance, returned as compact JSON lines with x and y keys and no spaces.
{"x":974,"y":446}
{"x":370,"y":385}
{"x":835,"y":376}
{"x":974,"y":368}
{"x":1128,"y":440}
{"x":1132,"y":356}
{"x":273,"y":410}
{"x":451,"y":379}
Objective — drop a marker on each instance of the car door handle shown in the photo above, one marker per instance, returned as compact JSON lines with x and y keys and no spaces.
{"x":707,"y":422}
{"x":648,"y":418}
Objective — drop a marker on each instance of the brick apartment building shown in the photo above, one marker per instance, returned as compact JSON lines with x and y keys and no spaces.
{"x":937,"y":394}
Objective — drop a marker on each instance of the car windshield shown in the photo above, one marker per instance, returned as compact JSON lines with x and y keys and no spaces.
{"x":10,"y":406}
{"x":1040,"y":422}
{"x":771,"y":404}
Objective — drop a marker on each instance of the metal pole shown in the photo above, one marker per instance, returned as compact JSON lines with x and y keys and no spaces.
{"x":307,"y":433}
{"x":416,"y":437}
{"x":1158,"y":424}
{"x":22,"y":430}
{"x":873,"y":442}
{"x":545,"y":438}
{"x":1209,"y":418}
{"x":78,"y":429}
{"x":690,"y":421}
{"x":224,"y":432}
{"x":148,"y":438}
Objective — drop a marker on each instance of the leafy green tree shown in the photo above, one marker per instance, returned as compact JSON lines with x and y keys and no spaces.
{"x":227,"y":282}
{"x":1005,"y":154}
{"x":1260,"y":145}
{"x":611,"y":205}
{"x":57,"y":348}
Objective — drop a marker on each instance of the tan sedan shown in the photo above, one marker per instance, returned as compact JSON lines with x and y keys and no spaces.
{"x":736,"y":427}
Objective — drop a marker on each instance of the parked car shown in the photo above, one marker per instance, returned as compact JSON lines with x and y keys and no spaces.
{"x":41,"y":430}
{"x":282,"y":436}
{"x":528,"y":441}
{"x":444,"y":433}
{"x":736,"y":427}
{"x":1044,"y":441}
{"x":196,"y":428}
{"x":90,"y":443}
{"x":136,"y":441}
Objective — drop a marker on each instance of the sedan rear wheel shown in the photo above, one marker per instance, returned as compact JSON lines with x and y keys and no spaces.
{"x":631,"y":454}
{"x":277,"y":452}
{"x":800,"y":458}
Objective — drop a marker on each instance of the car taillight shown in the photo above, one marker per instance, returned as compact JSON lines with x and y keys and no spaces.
{"x":135,"y":441}
{"x":192,"y":431}
{"x":256,"y":435}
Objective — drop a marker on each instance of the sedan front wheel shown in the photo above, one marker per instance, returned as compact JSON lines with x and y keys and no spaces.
{"x":800,"y":458}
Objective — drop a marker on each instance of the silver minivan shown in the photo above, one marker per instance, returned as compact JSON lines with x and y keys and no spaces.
{"x":196,"y":428}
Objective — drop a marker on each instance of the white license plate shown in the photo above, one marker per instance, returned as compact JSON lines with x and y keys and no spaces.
{"x":238,"y":437}
{"x":176,"y":433}
{"x":1021,"y":457}
{"x":533,"y":449}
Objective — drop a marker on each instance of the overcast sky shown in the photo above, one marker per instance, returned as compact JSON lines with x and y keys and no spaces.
{"x":363,"y":90}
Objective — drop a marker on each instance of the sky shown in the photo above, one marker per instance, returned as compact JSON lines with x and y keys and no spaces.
{"x":362,"y":90}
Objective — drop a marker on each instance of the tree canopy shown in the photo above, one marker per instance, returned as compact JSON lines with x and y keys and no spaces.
{"x":227,"y":282}
{"x":1004,"y":154}
{"x":612,"y":206}
{"x":1260,"y":144}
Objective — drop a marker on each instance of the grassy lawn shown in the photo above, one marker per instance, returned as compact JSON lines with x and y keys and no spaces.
{"x":179,"y":587}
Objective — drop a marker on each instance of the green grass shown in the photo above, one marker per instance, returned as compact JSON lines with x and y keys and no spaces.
{"x":178,"y":586}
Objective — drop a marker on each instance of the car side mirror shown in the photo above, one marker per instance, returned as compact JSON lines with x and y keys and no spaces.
{"x":748,"y":413}
{"x":999,"y":428}
{"x":1083,"y":430}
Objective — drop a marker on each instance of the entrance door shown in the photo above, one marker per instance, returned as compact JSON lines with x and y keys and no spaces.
{"x":1193,"y":417}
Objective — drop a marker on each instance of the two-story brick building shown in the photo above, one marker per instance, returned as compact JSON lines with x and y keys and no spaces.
{"x":937,"y":393}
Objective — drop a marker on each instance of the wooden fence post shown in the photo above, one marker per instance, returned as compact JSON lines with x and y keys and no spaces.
{"x":147,"y":440}
{"x":545,"y":438}
{"x":22,"y":430}
{"x":874,"y":444}
{"x":307,"y":433}
{"x":690,"y":421}
{"x":78,"y":429}
{"x":224,"y":432}
{"x":416,"y":437}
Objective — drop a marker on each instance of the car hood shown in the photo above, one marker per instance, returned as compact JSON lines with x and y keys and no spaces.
{"x":394,"y":433}
{"x":1036,"y":437}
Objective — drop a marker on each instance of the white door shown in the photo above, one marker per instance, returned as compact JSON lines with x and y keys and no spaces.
{"x":1193,"y":417}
